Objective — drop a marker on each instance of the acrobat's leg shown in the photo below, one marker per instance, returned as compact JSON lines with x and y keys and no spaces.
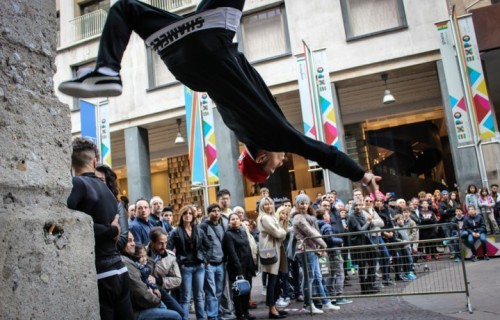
{"x":124,"y":17}
{"x":212,"y":4}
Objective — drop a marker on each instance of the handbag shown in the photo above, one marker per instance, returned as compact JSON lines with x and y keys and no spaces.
{"x":241,"y":286}
{"x":268,"y":256}
{"x":324,"y":265}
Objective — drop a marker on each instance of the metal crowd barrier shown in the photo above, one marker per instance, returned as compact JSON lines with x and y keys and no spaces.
{"x":437,"y":266}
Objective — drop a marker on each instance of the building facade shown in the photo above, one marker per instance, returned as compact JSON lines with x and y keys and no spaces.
{"x":371,"y":46}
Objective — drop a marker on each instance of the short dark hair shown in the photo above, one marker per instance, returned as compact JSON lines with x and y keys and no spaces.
{"x":139,"y":248}
{"x":156,"y":232}
{"x":320,"y":213}
{"x":84,"y":152}
{"x":494,"y":185}
{"x":223,"y":192}
{"x":212,"y":207}
{"x":167,"y":208}
{"x":111,"y":178}
{"x":141,"y":199}
{"x":398,"y":216}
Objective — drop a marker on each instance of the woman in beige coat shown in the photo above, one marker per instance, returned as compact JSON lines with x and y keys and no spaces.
{"x":272,"y":236}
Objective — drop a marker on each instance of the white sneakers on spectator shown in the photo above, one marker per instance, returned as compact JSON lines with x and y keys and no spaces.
{"x":314,"y":309}
{"x":282,"y":303}
{"x":330,"y":307}
{"x":264,"y":290}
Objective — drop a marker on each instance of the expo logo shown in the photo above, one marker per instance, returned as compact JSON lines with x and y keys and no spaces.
{"x":459,"y":126}
{"x":468,"y":48}
{"x":321,"y":81}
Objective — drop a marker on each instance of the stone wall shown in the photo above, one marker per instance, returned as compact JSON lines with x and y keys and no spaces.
{"x":46,"y":251}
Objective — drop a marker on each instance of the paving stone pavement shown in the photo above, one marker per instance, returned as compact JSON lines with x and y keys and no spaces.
{"x":484,"y":288}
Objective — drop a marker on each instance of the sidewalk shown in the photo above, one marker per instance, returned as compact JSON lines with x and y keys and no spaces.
{"x":484,"y":279}
{"x":484,"y":288}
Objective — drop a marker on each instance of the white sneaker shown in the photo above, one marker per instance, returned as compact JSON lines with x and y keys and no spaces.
{"x":281,"y":303}
{"x":330,"y":307}
{"x":288,"y":300}
{"x":264,"y":291}
{"x":314,"y":309}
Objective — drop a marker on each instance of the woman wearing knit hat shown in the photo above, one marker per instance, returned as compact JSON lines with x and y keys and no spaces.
{"x":305,"y":227}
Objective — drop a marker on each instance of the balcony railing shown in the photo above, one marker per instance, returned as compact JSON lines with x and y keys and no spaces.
{"x":88,"y":25}
{"x":169,"y":5}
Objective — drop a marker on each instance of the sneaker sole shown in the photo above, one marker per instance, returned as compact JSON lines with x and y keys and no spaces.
{"x":344,"y":302}
{"x":314,"y":311}
{"x":83,"y":90}
{"x":331,"y":309}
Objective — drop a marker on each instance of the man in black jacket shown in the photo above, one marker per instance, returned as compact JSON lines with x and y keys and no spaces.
{"x":93,"y":197}
{"x":214,"y":270}
{"x":364,"y":257}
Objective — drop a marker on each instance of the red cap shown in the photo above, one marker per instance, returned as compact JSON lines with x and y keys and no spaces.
{"x":251,"y":169}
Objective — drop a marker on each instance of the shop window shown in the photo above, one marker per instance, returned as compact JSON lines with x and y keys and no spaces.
{"x":94,"y":5}
{"x":264,"y":34}
{"x":158,"y":73}
{"x":76,"y":71}
{"x":364,"y":18}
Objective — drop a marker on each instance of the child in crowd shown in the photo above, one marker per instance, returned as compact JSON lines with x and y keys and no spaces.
{"x":334,"y":281}
{"x":413,"y":233}
{"x":476,"y":230}
{"x":405,"y":260}
{"x":141,"y":263}
{"x":458,"y":231}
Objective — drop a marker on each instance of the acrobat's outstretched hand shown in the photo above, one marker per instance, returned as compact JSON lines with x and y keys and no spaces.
{"x":370,"y":181}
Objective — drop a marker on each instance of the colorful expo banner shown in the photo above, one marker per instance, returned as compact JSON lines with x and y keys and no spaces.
{"x":316,"y":99}
{"x":207,"y":117}
{"x":105,"y":133}
{"x":201,"y":138}
{"x":88,"y":118}
{"x":470,"y":53}
{"x":462,"y":123}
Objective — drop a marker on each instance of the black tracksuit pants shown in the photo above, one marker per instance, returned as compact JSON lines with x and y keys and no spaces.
{"x":208,"y":61}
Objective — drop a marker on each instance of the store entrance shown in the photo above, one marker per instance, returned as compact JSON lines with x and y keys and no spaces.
{"x":411,"y":153}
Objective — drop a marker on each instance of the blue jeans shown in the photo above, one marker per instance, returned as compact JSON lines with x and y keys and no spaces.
{"x":314,"y":275}
{"x":160,"y":313}
{"x":456,"y":244}
{"x":382,"y":256}
{"x":286,"y":291}
{"x":192,"y":281}
{"x":294,"y":267}
{"x":214,"y":280}
{"x":471,"y":242}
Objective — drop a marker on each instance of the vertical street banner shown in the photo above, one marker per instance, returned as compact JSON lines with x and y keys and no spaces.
{"x":458,"y":104}
{"x":88,"y":117}
{"x":329,"y":119}
{"x":105,"y":133}
{"x":207,"y":116}
{"x":195,"y":137}
{"x":483,"y":110}
{"x":308,"y":98}
{"x":316,"y":98}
